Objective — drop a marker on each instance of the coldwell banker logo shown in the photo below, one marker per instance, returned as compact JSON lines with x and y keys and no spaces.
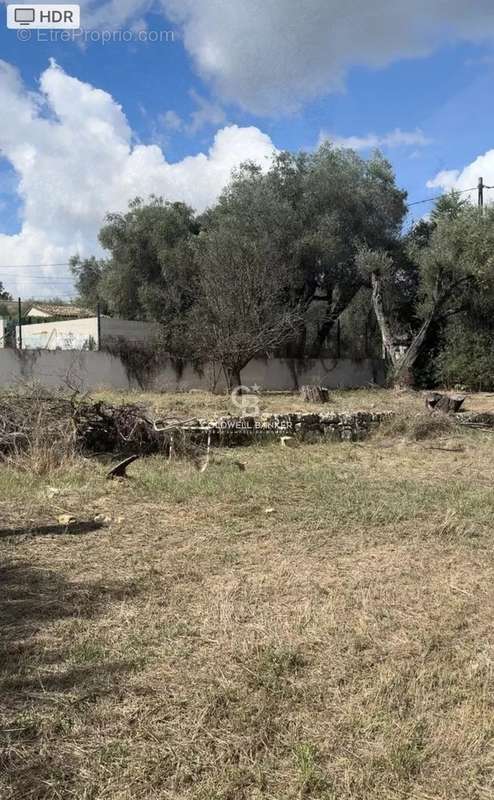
{"x":44,"y":16}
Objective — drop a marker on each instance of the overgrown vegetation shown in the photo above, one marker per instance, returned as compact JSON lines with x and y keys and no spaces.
{"x":317,"y":625}
{"x":288,"y":252}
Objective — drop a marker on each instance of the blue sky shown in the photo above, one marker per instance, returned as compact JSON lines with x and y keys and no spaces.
{"x":422,"y":92}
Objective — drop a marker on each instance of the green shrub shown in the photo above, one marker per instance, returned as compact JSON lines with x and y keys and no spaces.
{"x":467,"y":359}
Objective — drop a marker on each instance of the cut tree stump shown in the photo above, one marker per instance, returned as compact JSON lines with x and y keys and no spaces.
{"x":448,"y":404}
{"x":120,"y":470}
{"x":314,"y":394}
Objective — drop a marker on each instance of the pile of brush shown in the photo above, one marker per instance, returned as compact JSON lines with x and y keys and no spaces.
{"x":57,"y":426}
{"x":104,"y":428}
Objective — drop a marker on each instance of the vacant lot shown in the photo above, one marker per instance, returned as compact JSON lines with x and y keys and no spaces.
{"x":317,"y":625}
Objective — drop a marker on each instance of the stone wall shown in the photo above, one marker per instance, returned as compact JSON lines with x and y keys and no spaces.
{"x":310,"y":427}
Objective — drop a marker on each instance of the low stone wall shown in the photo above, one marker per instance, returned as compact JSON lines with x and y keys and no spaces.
{"x":330,"y":426}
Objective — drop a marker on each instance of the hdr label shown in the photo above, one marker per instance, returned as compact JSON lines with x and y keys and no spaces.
{"x":44,"y":16}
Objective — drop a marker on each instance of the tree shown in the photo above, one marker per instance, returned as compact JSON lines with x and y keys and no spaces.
{"x":318,"y":209}
{"x":88,"y":273}
{"x":4,"y":294}
{"x":297,"y":229}
{"x":456,"y":259}
{"x":240,"y":310}
{"x":5,"y":298}
{"x":147,"y":275}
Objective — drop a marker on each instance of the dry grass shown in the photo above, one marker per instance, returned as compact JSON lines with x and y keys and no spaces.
{"x":204,"y":404}
{"x":200,"y":648}
{"x":37,"y":434}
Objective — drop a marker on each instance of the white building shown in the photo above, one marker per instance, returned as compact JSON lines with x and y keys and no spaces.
{"x":84,"y":334}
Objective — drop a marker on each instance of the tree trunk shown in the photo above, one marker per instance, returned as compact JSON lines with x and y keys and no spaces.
{"x":233,"y":378}
{"x":402,"y":363}
{"x":314,"y":394}
{"x":322,"y":334}
{"x":390,"y":349}
{"x":403,"y":368}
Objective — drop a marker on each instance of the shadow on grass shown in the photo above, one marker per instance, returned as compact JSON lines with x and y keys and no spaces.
{"x":52,"y":530}
{"x":45,"y":671}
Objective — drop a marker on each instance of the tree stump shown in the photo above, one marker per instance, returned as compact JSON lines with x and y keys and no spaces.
{"x":448,"y":404}
{"x":314,"y":394}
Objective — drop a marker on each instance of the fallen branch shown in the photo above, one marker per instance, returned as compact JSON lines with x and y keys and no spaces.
{"x":120,"y":471}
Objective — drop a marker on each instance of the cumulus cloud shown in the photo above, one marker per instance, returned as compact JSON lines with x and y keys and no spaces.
{"x":73,"y":152}
{"x":396,"y":138}
{"x":467,"y":178}
{"x":271,"y":56}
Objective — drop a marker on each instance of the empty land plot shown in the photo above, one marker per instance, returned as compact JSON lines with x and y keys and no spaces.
{"x":318,"y":625}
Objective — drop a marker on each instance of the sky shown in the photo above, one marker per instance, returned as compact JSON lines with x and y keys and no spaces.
{"x":168,"y":96}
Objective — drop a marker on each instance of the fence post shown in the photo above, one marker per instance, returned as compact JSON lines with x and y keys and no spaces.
{"x":98,"y":313}
{"x":338,"y":339}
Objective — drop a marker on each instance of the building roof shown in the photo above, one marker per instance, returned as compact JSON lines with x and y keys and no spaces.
{"x":51,"y":310}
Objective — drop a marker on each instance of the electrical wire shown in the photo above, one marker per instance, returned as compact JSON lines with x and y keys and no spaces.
{"x":438,"y":196}
{"x":67,"y":264}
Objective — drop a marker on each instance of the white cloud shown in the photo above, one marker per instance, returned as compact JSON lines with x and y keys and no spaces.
{"x":467,"y":178}
{"x":272,"y":56}
{"x":396,"y":138}
{"x":172,"y":121}
{"x":72,"y":149}
{"x":205,"y":114}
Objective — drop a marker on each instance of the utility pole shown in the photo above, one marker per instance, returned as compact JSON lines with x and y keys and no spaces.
{"x":481,"y":194}
{"x":19,"y":312}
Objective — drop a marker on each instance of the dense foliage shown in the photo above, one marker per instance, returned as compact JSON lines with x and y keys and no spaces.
{"x":288,"y":252}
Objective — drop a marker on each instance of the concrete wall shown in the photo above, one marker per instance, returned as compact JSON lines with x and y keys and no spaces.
{"x":277,"y":374}
{"x":73,"y":334}
{"x":90,"y":370}
{"x":64,"y":368}
{"x":80,"y":334}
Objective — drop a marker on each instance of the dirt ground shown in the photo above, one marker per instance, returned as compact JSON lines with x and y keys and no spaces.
{"x":318,"y":624}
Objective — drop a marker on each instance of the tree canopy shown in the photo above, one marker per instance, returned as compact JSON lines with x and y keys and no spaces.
{"x":283,"y":254}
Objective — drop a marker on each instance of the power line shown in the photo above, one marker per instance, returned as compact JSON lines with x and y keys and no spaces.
{"x":67,"y":264}
{"x":438,"y":196}
{"x":33,"y":266}
{"x":42,"y":276}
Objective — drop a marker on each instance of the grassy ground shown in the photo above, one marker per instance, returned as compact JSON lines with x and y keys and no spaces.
{"x":318,"y":625}
{"x":205,"y":404}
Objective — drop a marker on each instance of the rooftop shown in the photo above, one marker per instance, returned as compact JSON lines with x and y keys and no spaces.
{"x":61,"y":310}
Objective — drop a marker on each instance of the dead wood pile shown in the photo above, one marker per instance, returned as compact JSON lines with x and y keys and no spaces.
{"x":36,"y":420}
{"x":31,"y":418}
